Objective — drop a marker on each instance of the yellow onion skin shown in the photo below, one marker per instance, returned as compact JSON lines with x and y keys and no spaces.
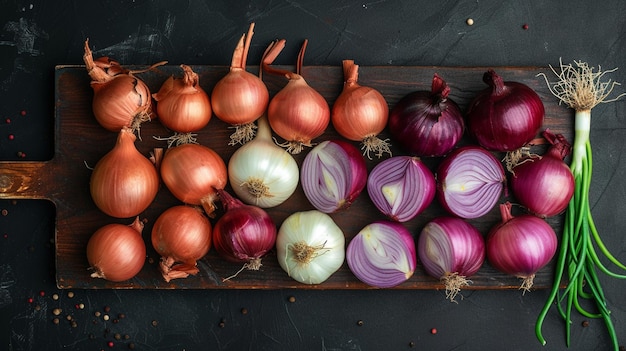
{"x":124,"y":182}
{"x":298,"y":113}
{"x":193,"y":173}
{"x":117,"y":252}
{"x":123,"y":101}
{"x":182,"y":105}
{"x":181,"y":235}
{"x":240,"y":97}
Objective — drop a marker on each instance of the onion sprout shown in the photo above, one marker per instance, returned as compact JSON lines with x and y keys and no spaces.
{"x":581,"y":88}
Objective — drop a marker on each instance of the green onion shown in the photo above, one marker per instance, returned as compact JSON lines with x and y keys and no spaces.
{"x":581,"y":89}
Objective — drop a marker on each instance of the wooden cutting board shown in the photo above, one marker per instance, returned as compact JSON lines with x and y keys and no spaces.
{"x":80,"y":142}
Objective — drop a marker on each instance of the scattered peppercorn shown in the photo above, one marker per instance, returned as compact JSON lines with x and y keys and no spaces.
{"x":42,"y":293}
{"x":359,"y":323}
{"x":121,"y":316}
{"x":469,"y":22}
{"x":117,"y":336}
{"x":97,"y":313}
{"x":585,"y":324}
{"x":131,"y":346}
{"x":433,"y":331}
{"x":55,"y":297}
{"x":126,"y":336}
{"x":57,"y":311}
{"x":68,"y":317}
{"x":70,"y":294}
{"x":11,"y":136}
{"x":412,"y":344}
{"x":525,"y":26}
{"x":74,"y":324}
{"x":55,"y":320}
{"x":105,"y":317}
{"x":107,"y":309}
{"x":8,"y":121}
{"x":292,"y":299}
{"x":5,"y":212}
{"x":244,"y":311}
{"x":154,"y":323}
{"x":37,"y":308}
{"x":23,"y":112}
{"x":110,"y":344}
{"x":30,"y":300}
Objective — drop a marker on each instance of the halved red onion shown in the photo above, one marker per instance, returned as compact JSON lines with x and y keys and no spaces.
{"x":506,"y":115}
{"x":382,"y":254}
{"x":545,"y":184}
{"x":427,"y":123}
{"x":333,"y":174}
{"x":520,"y":245}
{"x":401,"y":187}
{"x":451,"y":249}
{"x":470,"y":181}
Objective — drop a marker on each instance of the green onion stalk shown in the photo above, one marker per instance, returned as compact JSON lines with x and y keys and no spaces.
{"x":581,"y":88}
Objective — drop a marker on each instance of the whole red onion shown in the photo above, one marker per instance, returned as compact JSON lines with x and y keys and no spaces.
{"x":545,"y":184}
{"x":427,"y":123}
{"x":451,"y":249}
{"x":505,"y":116}
{"x":244,"y":233}
{"x":520,"y":245}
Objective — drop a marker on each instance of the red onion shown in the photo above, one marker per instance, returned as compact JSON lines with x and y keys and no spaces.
{"x":427,"y":123}
{"x":244,"y":233}
{"x":544,"y":185}
{"x":521,"y":245}
{"x":451,"y":250}
{"x":382,"y":254}
{"x":470,"y":182}
{"x":181,"y":235}
{"x":401,"y":187}
{"x":505,"y":116}
{"x":333,"y":174}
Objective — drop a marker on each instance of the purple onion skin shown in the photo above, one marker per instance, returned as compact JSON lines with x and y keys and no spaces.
{"x":382,"y":254}
{"x":427,"y":123}
{"x":417,"y":183}
{"x":475,"y":201}
{"x":521,"y":245}
{"x":450,"y":245}
{"x":505,"y":116}
{"x":347,"y":167}
{"x":244,"y":232}
{"x":545,"y":185}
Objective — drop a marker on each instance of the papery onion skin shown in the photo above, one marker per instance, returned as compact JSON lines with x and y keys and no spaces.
{"x":401,"y":187}
{"x":360,"y":112}
{"x":427,"y":123}
{"x":545,"y":184}
{"x":117,"y":252}
{"x":310,"y":246}
{"x":451,"y":249}
{"x":244,"y":233}
{"x":124,"y":182}
{"x":382,"y":254}
{"x":505,"y":116}
{"x":297,"y":113}
{"x":182,"y":105}
{"x":520,"y":245}
{"x":120,"y":98}
{"x":240,"y":97}
{"x":181,"y":235}
{"x":192,"y":173}
{"x":333,"y":174}
{"x":470,"y":181}
{"x":262,"y":173}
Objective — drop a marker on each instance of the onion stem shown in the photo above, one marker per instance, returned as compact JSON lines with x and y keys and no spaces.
{"x":580,"y":88}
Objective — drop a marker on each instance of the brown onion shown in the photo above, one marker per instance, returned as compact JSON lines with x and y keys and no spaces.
{"x":124,"y":182}
{"x":360,"y":113}
{"x":192,"y":173}
{"x":240,"y":97}
{"x":183,"y":106}
{"x":116,"y":252}
{"x":120,"y":98}
{"x":181,"y":235}
{"x":297,"y":113}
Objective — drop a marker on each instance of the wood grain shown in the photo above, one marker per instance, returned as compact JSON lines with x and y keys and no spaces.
{"x":81,"y":142}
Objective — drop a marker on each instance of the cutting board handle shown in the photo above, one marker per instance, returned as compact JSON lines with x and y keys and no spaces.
{"x":26,"y":180}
